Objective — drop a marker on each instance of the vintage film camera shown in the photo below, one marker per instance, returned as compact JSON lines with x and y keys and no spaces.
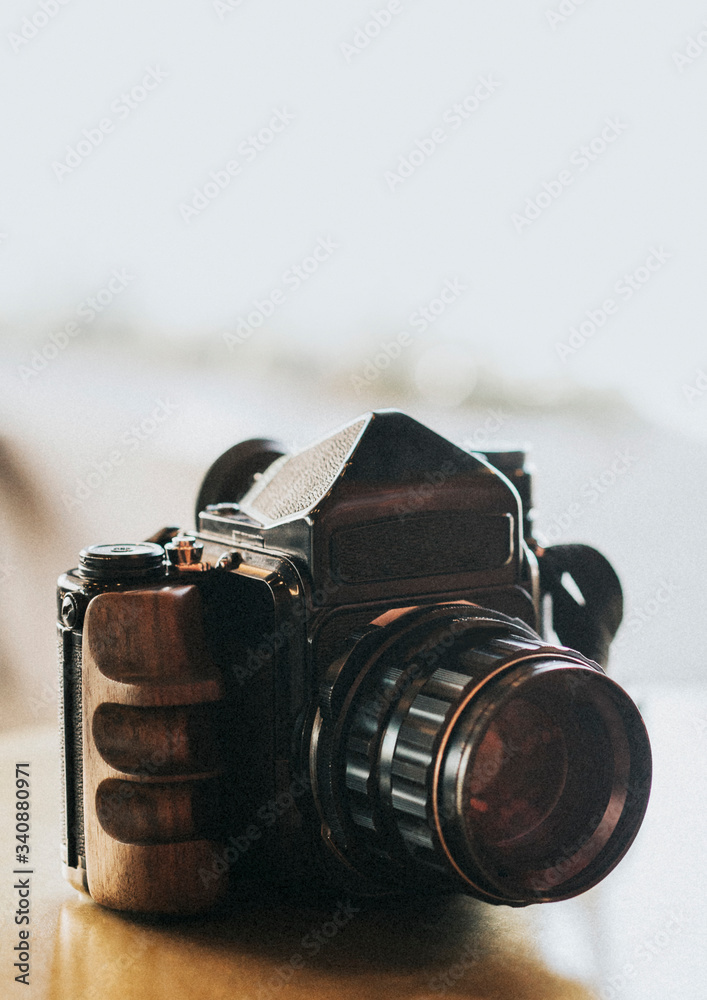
{"x":360,"y":671}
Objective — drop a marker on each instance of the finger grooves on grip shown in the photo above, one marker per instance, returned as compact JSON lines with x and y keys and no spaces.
{"x":137,"y":813}
{"x":160,"y":740}
{"x":153,"y":754}
{"x":149,"y":636}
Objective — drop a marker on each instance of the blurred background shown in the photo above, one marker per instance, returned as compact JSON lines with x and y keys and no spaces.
{"x":229,"y":219}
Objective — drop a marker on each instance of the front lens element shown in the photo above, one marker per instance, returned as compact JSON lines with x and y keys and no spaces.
{"x":517,"y":774}
{"x":548,"y":769}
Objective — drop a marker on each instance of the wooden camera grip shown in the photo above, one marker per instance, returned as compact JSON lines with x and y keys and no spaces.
{"x":152,"y":752}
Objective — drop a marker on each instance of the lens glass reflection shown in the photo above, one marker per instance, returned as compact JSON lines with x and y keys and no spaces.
{"x":545,"y":779}
{"x":517,"y":774}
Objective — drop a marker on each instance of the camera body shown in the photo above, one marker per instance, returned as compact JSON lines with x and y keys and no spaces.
{"x":248,"y":703}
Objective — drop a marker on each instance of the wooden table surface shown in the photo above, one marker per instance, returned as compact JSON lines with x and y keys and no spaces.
{"x":639,"y":934}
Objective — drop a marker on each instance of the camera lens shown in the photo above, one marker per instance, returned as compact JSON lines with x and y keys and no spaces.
{"x":545,"y":780}
{"x":454,"y":748}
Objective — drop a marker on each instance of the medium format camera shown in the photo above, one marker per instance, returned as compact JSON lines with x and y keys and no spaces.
{"x":359,"y":673}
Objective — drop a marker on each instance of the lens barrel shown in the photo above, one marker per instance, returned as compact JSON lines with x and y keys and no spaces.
{"x":454,"y":748}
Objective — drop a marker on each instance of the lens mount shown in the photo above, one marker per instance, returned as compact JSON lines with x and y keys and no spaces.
{"x":453,"y":748}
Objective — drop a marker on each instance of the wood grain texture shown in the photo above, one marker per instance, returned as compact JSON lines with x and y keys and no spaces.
{"x":150,"y":716}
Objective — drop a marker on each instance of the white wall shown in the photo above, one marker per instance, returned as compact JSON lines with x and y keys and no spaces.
{"x":227,"y":65}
